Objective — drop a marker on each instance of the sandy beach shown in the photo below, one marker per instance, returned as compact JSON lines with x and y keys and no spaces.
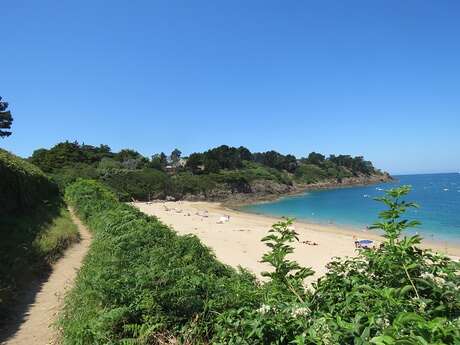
{"x":236,"y":242}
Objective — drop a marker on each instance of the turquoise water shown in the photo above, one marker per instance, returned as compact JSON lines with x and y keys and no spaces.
{"x":437,"y":194}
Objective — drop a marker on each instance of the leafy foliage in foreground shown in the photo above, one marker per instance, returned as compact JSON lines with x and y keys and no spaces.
{"x":395,"y":294}
{"x":144,"y":284}
{"x":287,"y":273}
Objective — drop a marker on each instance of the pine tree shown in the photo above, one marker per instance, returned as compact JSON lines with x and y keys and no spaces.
{"x":5,"y":119}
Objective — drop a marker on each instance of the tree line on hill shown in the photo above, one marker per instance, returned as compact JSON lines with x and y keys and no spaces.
{"x":224,"y":168}
{"x":215,"y":173}
{"x":70,"y":154}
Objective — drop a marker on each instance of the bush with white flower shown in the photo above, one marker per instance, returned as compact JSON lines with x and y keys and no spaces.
{"x":394,"y":294}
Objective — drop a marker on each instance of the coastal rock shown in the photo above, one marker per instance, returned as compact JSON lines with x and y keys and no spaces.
{"x":260,"y":190}
{"x":270,"y":187}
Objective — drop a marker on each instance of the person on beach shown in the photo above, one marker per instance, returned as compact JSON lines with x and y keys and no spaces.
{"x":356,"y":241}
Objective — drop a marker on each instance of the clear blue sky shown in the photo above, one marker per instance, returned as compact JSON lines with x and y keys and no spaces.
{"x":373,"y":78}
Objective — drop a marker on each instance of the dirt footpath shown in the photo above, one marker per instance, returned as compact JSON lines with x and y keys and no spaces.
{"x":39,"y":315}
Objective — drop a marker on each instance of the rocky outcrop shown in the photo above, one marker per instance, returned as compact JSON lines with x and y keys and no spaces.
{"x":360,"y":180}
{"x":260,"y":190}
{"x":266,"y":187}
{"x":255,"y":190}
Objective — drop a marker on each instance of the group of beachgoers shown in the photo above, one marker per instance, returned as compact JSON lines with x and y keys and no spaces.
{"x":358,"y":243}
{"x":204,"y":214}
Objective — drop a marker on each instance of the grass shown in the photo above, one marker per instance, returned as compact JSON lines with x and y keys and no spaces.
{"x":57,"y":236}
{"x":30,"y":243}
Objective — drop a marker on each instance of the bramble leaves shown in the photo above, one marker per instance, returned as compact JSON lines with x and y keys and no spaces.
{"x":390,"y":224}
{"x":286,"y":272}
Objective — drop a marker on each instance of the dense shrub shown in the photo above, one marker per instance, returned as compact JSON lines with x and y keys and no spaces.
{"x":256,"y":171}
{"x":22,"y":184}
{"x":68,"y":175}
{"x":138,"y":184}
{"x":310,"y":173}
{"x":187,"y":183}
{"x":141,"y":280}
{"x":234,"y":181}
{"x":67,"y":154}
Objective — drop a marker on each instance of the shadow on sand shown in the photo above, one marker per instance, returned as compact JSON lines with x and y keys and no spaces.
{"x":16,"y":315}
{"x":23,"y":268}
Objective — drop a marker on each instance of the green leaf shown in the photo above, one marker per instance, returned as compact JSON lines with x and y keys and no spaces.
{"x":383,"y":340}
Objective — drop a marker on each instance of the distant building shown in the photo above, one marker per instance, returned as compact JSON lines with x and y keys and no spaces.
{"x":181,"y":163}
{"x":173,"y":166}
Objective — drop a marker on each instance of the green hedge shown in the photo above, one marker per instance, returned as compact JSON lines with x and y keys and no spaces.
{"x":140,"y":279}
{"x":22,"y":184}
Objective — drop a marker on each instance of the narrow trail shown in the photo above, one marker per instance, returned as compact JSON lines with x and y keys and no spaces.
{"x":36,"y":322}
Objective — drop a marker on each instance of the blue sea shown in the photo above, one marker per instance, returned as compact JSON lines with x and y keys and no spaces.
{"x":438,"y":196}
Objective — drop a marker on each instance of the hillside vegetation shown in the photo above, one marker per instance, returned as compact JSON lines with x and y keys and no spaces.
{"x":143,"y":284}
{"x":219,"y":173}
{"x":35,"y":226}
{"x":141,"y":280}
{"x":23,"y":185}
